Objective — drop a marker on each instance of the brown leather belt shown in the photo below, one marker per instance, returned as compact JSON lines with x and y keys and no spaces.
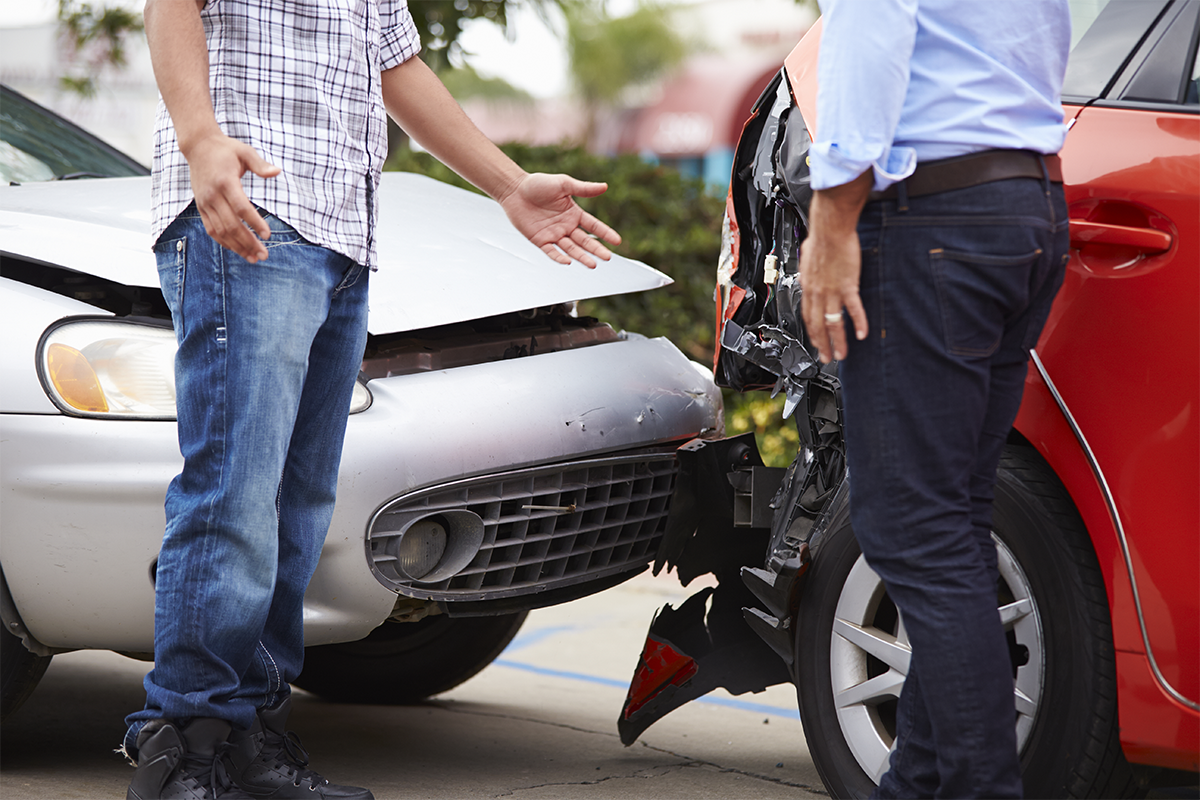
{"x":962,"y":172}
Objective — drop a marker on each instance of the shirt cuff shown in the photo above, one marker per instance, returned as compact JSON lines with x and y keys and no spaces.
{"x":833,"y":165}
{"x":400,"y":40}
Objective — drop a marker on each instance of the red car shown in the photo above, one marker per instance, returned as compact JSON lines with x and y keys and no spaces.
{"x":1097,"y":513}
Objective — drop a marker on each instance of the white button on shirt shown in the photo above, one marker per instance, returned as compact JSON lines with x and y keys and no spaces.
{"x":299,"y":80}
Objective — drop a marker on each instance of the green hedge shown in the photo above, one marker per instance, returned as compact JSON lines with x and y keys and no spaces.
{"x":673,"y":224}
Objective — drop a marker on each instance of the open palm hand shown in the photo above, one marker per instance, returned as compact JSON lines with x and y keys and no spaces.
{"x":542,"y":209}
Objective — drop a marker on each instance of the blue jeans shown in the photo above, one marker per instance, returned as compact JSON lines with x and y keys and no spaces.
{"x":957,"y":287}
{"x":268,"y":355}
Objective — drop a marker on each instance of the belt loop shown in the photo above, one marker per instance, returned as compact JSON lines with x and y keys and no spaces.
{"x":901,"y":197}
{"x":1045,"y":173}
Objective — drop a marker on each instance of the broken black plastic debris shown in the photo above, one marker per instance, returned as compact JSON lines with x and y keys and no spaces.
{"x":777,"y":351}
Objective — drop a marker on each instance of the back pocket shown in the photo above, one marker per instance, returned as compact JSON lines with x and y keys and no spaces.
{"x":978,"y":294}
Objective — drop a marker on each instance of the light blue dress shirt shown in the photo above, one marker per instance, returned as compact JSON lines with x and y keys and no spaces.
{"x":903,"y":81}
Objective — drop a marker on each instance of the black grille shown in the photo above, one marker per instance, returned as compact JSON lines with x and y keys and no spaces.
{"x":597,"y":518}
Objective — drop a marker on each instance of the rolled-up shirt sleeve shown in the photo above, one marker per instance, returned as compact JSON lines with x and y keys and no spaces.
{"x":862,"y":75}
{"x":399,"y":40}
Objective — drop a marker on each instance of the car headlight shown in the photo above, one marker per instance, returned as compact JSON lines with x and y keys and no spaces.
{"x":115,"y":369}
{"x":109,"y":368}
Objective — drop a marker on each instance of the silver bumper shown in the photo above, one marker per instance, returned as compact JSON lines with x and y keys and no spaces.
{"x":81,"y":509}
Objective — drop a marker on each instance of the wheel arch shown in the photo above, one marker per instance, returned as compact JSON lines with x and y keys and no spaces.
{"x":1148,"y":705}
{"x":1042,"y":425}
{"x":15,"y":626}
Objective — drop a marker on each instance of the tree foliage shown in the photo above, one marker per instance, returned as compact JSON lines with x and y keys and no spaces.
{"x":441,"y":23}
{"x":608,"y":55}
{"x":97,"y":38}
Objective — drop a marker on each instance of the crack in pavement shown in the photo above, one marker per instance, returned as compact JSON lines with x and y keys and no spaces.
{"x":661,"y":770}
{"x":689,"y":761}
{"x":734,"y":771}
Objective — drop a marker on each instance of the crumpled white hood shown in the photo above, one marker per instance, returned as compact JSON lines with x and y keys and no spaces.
{"x":445,"y":255}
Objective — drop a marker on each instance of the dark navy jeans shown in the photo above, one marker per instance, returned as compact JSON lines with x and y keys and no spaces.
{"x":268,"y":355}
{"x":957,"y":287}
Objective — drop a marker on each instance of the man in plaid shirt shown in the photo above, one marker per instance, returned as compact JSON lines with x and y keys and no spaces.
{"x":269,"y":146}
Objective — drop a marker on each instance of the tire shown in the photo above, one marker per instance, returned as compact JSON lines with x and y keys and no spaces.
{"x":1059,"y":631}
{"x":400,"y":663}
{"x":20,"y":671}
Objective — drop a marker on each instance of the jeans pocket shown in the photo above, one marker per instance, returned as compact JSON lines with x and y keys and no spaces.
{"x":350,"y":277}
{"x":171,"y":255}
{"x":977,"y":294}
{"x":281,"y":232}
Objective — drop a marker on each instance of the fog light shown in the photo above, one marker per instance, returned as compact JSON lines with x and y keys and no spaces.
{"x":421,"y":547}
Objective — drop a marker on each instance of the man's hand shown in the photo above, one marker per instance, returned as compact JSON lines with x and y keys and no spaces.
{"x":217,"y":164}
{"x":830,"y":264}
{"x":541,"y":208}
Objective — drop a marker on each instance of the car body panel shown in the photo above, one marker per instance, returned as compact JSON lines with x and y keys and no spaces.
{"x":801,"y":68}
{"x":82,"y":508}
{"x":446,"y":255}
{"x":1116,"y":289}
{"x":1155,"y":727}
{"x":1041,"y":422}
{"x":27,"y":312}
{"x":82,"y":514}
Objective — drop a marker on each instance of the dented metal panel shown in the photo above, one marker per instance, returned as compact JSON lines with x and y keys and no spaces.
{"x":445,"y":254}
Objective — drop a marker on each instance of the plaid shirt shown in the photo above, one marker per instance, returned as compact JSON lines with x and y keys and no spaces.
{"x":299,"y":80}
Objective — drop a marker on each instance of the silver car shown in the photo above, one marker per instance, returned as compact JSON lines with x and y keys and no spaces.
{"x":503,"y":453}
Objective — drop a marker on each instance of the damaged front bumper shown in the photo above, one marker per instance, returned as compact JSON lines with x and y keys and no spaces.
{"x":757,"y":530}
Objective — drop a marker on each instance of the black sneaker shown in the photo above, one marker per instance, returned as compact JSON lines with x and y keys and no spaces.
{"x":182,"y":762}
{"x":268,"y":761}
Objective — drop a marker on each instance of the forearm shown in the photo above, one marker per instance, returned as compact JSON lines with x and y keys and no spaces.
{"x":179,"y":55}
{"x":423,"y":107}
{"x":830,"y":265}
{"x":834,"y":212}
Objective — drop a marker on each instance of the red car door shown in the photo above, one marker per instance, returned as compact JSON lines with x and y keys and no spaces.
{"x":1122,"y":349}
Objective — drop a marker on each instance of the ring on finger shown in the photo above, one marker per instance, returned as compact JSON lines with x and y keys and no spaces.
{"x":832,"y":318}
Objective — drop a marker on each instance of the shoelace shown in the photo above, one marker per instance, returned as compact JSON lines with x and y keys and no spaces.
{"x":288,"y":751}
{"x":193,"y":767}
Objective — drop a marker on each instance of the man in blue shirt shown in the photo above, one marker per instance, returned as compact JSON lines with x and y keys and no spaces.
{"x":938,"y":237}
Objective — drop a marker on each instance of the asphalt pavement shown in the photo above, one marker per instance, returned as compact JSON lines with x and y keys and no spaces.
{"x":539,"y":723}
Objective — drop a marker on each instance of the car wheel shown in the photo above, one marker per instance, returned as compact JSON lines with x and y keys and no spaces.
{"x":20,"y":671}
{"x":851,"y":648}
{"x":405,"y":662}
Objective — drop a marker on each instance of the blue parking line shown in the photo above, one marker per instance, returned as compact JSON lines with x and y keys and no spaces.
{"x":728,"y":702}
{"x":526,"y":638}
{"x":558,"y":673}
